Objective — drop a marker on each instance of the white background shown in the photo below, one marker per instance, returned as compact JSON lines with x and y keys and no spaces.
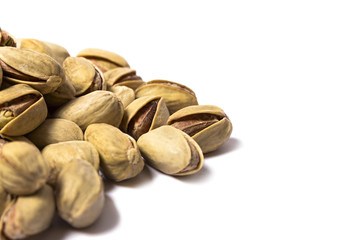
{"x":287,"y":75}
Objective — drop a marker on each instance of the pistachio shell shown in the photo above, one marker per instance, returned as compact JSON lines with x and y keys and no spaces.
{"x":94,"y":107}
{"x":5,"y":199}
{"x":29,"y":215}
{"x":23,"y":170}
{"x":28,"y":119}
{"x":55,"y":130}
{"x":144,"y":114}
{"x":6,"y":39}
{"x":125,"y":94}
{"x":123,"y":76}
{"x":208,"y":125}
{"x":176,"y":96}
{"x":59,"y":154}
{"x":171,"y":151}
{"x":79,"y":194}
{"x":64,"y":93}
{"x":120,"y":157}
{"x":36,"y":69}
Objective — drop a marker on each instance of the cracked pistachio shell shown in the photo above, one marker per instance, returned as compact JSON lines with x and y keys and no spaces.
{"x":22,"y":109}
{"x":144,"y":114}
{"x":55,"y":130}
{"x":208,"y":125}
{"x":38,"y":70}
{"x":79,"y":193}
{"x":123,"y":76}
{"x":23,"y":170}
{"x":176,"y":96}
{"x":29,"y":215}
{"x":58,"y":155}
{"x":171,"y":151}
{"x":84,"y":76}
{"x":6,"y":39}
{"x":94,"y":107}
{"x":125,"y":94}
{"x":120,"y":157}
{"x":104,"y":60}
{"x":5,"y":199}
{"x":64,"y":93}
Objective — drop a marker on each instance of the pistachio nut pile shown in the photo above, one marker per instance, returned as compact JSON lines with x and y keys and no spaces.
{"x":66,"y":119}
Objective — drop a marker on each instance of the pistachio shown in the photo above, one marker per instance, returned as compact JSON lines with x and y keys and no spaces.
{"x":5,"y":199}
{"x":94,"y":107}
{"x":144,"y":114}
{"x":38,"y":70}
{"x":59,"y":154}
{"x":120,"y":157}
{"x":64,"y":93}
{"x":125,"y":94}
{"x":29,"y":215}
{"x":104,"y":60}
{"x":79,"y":193}
{"x":6,"y":39}
{"x":208,"y":125}
{"x":176,"y":96}
{"x":23,"y":170}
{"x":55,"y":130}
{"x":171,"y":151}
{"x":22,"y":109}
{"x":123,"y":76}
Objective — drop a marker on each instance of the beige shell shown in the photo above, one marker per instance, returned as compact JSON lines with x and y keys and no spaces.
{"x":144,"y":114}
{"x":123,"y":76}
{"x":120,"y":157}
{"x":79,"y":194}
{"x":59,"y":154}
{"x":23,"y":170}
{"x":176,"y":95}
{"x":5,"y":199}
{"x":29,"y":215}
{"x":38,"y":70}
{"x":30,"y":118}
{"x":6,"y":39}
{"x":64,"y":93}
{"x":125,"y":94}
{"x":55,"y":130}
{"x":208,"y":125}
{"x":171,"y":151}
{"x":94,"y":107}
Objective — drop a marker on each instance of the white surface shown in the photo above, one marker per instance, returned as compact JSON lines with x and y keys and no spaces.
{"x":287,"y":75}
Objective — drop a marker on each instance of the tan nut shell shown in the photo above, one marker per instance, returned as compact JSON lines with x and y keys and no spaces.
{"x":5,"y":199}
{"x":49,"y":73}
{"x":79,"y":194}
{"x":213,"y":136}
{"x":125,"y":94}
{"x":114,"y":75}
{"x":167,"y":150}
{"x":94,"y":107}
{"x":29,"y":215}
{"x":176,"y":95}
{"x":29,"y":119}
{"x":64,"y":93}
{"x":55,"y":130}
{"x":120,"y":157}
{"x":23,"y":170}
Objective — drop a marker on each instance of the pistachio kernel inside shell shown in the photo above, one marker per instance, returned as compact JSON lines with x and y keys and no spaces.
{"x":6,"y":40}
{"x":130,"y":77}
{"x":96,"y":83}
{"x":13,"y":73}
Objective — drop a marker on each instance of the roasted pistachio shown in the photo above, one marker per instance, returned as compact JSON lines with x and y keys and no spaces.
{"x":6,"y":39}
{"x":5,"y":199}
{"x":176,"y":96}
{"x":22,"y":109}
{"x":171,"y":151}
{"x":120,"y":157}
{"x":64,"y":93}
{"x":123,"y":76}
{"x":23,"y":170}
{"x":144,"y":114}
{"x":94,"y":107}
{"x":79,"y":193}
{"x":104,"y":60}
{"x":84,"y":76}
{"x":59,"y":154}
{"x":55,"y":130}
{"x":29,"y":215}
{"x":125,"y":94}
{"x":38,"y":70}
{"x":208,"y":125}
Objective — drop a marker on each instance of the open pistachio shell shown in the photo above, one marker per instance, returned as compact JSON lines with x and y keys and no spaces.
{"x":84,"y":76}
{"x":79,"y":193}
{"x":64,"y":93}
{"x":120,"y":157}
{"x":38,"y":70}
{"x":94,"y":107}
{"x":208,"y":125}
{"x":176,"y":96}
{"x":22,"y":109}
{"x":55,"y":130}
{"x":104,"y":60}
{"x":144,"y":114}
{"x":171,"y":151}
{"x":123,"y":76}
{"x":5,"y":199}
{"x":23,"y":170}
{"x":125,"y":94}
{"x":6,"y":39}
